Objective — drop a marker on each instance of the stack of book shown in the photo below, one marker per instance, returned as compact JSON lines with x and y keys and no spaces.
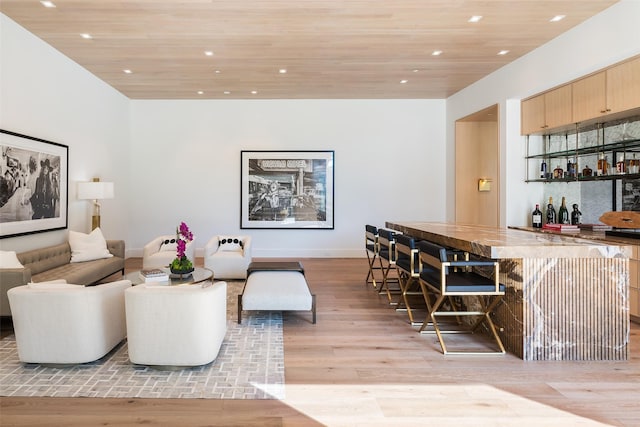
{"x":595,"y":227}
{"x":154,"y":275}
{"x":562,"y":228}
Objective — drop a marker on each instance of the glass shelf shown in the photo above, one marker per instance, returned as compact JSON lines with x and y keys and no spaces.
{"x":614,"y":146}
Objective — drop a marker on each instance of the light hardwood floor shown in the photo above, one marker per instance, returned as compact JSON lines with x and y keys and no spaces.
{"x":363,"y":364}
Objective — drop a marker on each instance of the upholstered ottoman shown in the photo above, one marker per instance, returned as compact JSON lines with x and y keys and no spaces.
{"x":180,"y":325}
{"x":279,"y":286}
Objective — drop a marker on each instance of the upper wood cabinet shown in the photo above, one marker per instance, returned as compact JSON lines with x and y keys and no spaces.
{"x":611,"y":91}
{"x":548,"y":110}
{"x":623,"y":86}
{"x":589,"y":99}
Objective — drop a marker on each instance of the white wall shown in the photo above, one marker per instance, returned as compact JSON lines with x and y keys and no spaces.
{"x":46,"y":95}
{"x":185,"y":166}
{"x":607,"y":38}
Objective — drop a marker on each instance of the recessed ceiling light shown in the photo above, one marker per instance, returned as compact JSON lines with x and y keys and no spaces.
{"x":200,"y":92}
{"x":503,"y":52}
{"x":217,"y":71}
{"x":253,"y":92}
{"x":436,"y":52}
{"x":208,"y":52}
{"x":475,"y":18}
{"x":86,"y":36}
{"x":48,"y":4}
{"x":557,"y":18}
{"x":415,"y":70}
{"x":403,"y":81}
{"x":127,"y":71}
{"x":226,"y":92}
{"x":282,"y":71}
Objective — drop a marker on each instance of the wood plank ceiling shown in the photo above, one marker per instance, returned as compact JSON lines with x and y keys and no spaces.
{"x":330,"y":48}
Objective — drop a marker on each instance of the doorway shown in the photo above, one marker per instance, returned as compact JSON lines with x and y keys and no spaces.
{"x":477,"y":168}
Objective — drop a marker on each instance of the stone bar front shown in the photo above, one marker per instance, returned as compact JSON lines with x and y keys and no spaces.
{"x":566,"y":299}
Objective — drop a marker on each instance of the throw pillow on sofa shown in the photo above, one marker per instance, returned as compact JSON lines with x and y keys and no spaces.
{"x":230,"y":243}
{"x":53,"y":284}
{"x":9,"y":259}
{"x":88,"y":247}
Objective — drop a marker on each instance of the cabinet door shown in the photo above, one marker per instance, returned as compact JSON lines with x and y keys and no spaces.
{"x":623,"y":86}
{"x":589,"y":97}
{"x":557,"y":107}
{"x":532,"y":115}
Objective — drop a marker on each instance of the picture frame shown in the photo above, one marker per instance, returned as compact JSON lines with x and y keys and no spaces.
{"x":34,"y":177}
{"x":287,"y":189}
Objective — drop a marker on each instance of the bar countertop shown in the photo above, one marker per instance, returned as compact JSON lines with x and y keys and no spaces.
{"x":502,"y":243}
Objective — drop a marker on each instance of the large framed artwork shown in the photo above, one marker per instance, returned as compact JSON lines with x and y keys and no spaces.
{"x":287,"y":189}
{"x":33,"y":185}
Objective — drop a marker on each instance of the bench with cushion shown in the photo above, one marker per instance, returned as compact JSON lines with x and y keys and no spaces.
{"x":279,"y":286}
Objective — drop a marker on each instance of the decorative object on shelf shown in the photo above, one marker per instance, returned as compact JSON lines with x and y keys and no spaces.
{"x":621,"y":219}
{"x":182,"y":265}
{"x":34,"y":185}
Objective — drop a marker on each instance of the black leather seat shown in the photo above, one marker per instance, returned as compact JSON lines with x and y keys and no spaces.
{"x":452,"y":275}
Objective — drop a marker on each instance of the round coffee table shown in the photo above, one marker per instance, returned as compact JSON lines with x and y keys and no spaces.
{"x":198,"y":275}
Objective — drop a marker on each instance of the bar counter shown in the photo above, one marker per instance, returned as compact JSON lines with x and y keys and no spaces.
{"x":567,"y":297}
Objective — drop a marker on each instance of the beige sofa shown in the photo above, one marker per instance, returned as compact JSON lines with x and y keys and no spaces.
{"x":53,"y":262}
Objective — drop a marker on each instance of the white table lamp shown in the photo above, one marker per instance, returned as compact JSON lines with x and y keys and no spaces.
{"x":95,"y":190}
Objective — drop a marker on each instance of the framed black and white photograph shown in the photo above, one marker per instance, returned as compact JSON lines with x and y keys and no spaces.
{"x":287,"y":189}
{"x":33,"y":185}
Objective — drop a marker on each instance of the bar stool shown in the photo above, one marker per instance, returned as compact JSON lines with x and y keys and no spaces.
{"x":453,"y":278}
{"x":408,"y":268}
{"x":372,"y":249}
{"x":387,"y":259}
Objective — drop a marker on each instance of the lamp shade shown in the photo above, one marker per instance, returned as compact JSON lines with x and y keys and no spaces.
{"x":95,"y":190}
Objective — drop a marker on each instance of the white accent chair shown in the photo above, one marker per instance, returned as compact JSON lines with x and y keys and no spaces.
{"x":60,"y":323}
{"x":228,"y":256}
{"x":180,"y":325}
{"x":161,"y":251}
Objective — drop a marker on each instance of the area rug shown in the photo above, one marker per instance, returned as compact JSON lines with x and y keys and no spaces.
{"x":250,"y":365}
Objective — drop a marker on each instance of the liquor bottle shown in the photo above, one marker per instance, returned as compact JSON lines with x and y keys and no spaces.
{"x":543,"y":169}
{"x":603,"y":165}
{"x":551,"y":212}
{"x":634,"y":165}
{"x":620,"y":165}
{"x":570,"y":169}
{"x":558,"y":173}
{"x":575,"y":215}
{"x":536,"y":217}
{"x":563,"y":213}
{"x":587,"y":171}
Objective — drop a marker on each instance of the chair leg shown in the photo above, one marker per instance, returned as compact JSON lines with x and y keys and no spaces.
{"x":485,"y":316}
{"x":407,"y":283}
{"x":371,"y":277}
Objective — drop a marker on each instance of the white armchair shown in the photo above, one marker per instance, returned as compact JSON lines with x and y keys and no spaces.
{"x":60,"y":323}
{"x":180,"y":325}
{"x":161,"y":251}
{"x":228,"y":256}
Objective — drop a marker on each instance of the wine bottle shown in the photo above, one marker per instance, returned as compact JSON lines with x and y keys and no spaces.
{"x":543,"y":169}
{"x":575,"y":215}
{"x":563,"y":213}
{"x":551,"y":212}
{"x":536,"y":217}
